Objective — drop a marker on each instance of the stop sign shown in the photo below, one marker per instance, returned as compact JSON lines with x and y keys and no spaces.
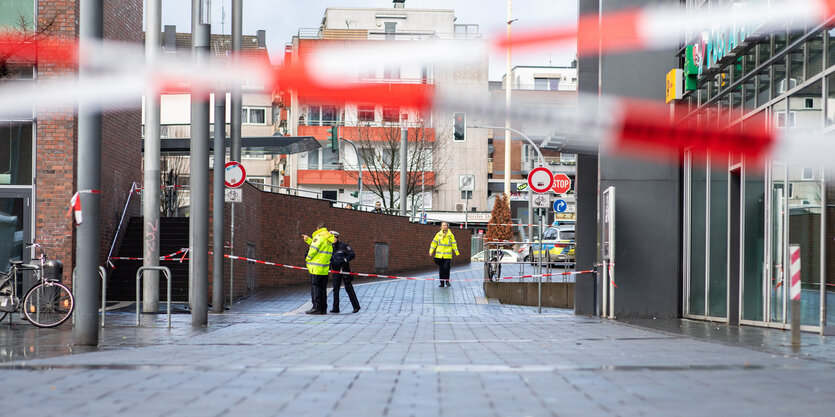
{"x":561,"y":183}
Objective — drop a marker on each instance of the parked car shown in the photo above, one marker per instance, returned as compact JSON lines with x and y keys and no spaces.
{"x":558,"y":245}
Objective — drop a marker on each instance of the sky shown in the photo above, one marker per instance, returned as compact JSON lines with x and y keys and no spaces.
{"x":283,"y":18}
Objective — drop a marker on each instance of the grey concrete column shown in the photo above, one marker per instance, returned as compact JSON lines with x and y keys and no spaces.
{"x":236,"y":104}
{"x":151,"y":183}
{"x":585,"y":187}
{"x":88,"y":236}
{"x":199,"y":180}
{"x":217,"y":201}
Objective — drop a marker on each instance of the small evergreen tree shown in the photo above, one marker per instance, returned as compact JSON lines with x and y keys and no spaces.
{"x":498,"y":229}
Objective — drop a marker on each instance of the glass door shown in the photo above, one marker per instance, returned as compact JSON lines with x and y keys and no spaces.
{"x":14,"y":225}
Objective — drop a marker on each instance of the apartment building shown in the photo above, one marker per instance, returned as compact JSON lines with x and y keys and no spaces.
{"x":438,"y":163}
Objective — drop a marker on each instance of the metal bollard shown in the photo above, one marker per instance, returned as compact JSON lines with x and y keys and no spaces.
{"x":167,"y":273}
{"x":103,"y":276}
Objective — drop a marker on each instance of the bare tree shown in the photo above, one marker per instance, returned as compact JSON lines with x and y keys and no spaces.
{"x":19,"y":37}
{"x":379,"y":148}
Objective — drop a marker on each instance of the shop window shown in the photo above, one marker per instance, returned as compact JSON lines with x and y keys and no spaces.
{"x":830,"y":46}
{"x":814,"y":63}
{"x":763,"y":88}
{"x":830,"y":100}
{"x":796,"y":66}
{"x":779,"y":77}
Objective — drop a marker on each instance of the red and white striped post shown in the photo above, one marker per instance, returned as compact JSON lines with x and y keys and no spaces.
{"x":794,"y":293}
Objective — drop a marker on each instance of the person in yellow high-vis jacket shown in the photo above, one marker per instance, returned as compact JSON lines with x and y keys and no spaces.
{"x":318,"y":265}
{"x":443,"y":245}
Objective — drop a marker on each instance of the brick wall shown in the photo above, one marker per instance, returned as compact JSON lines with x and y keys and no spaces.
{"x":57,"y":137}
{"x":273,"y":224}
{"x":121,"y":130}
{"x":57,"y":133}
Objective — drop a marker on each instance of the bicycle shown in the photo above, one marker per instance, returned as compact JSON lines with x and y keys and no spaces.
{"x":48,"y":303}
{"x":494,"y":270}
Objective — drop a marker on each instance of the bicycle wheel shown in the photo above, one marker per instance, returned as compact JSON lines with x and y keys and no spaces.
{"x":48,"y":304}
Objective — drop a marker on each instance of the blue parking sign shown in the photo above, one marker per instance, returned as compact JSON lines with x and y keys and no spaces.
{"x":560,"y":206}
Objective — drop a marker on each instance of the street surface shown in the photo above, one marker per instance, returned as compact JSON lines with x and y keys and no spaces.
{"x":413,"y":350}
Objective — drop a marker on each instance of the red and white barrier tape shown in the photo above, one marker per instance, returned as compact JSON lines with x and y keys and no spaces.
{"x":169,"y":257}
{"x":359,"y":274}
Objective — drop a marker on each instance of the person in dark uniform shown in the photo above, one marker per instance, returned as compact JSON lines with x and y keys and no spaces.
{"x":342,"y":255}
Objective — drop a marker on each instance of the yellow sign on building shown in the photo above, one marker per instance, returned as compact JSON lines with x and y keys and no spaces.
{"x":675,"y":79}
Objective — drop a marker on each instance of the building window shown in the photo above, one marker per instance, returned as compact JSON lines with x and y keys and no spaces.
{"x":391,"y":71}
{"x":321,"y":115}
{"x":15,"y":153}
{"x":254,"y":116}
{"x":542,"y":84}
{"x":365,"y":113}
{"x":391,"y":114}
{"x":390,"y":28}
{"x":258,"y":182}
{"x":808,"y":173}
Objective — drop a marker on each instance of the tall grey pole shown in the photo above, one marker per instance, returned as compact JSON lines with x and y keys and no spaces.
{"x":404,"y":143}
{"x":236,"y":100}
{"x":508,"y":86}
{"x":217,"y":203}
{"x":151,"y":183}
{"x":86,"y":329}
{"x":199,"y":180}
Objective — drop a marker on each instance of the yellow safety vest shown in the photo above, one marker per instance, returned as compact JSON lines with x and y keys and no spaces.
{"x":444,"y":245}
{"x":319,"y":255}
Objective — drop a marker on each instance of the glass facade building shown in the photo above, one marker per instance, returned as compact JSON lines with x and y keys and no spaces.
{"x":743,"y":217}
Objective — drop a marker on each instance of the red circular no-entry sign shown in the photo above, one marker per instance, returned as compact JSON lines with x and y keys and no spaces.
{"x":561,"y":184}
{"x":540,"y":180}
{"x":235,"y":174}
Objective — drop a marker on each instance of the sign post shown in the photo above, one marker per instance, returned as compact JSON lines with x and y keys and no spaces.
{"x":234,"y":177}
{"x":561,"y":183}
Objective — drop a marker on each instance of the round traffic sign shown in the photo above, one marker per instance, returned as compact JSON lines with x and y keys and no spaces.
{"x":561,"y":183}
{"x":540,"y":180}
{"x":235,"y":174}
{"x":560,"y":206}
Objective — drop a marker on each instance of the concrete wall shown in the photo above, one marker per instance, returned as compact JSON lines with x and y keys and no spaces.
{"x":554,"y":294}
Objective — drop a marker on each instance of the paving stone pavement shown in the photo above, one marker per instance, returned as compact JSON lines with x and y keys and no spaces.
{"x":413,"y":350}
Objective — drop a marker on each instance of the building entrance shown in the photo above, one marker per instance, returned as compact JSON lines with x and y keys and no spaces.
{"x":15,"y":225}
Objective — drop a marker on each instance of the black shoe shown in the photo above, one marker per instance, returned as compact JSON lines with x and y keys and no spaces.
{"x":356,"y":310}
{"x":442,"y":285}
{"x":334,"y":311}
{"x":311,"y":311}
{"x":448,"y":284}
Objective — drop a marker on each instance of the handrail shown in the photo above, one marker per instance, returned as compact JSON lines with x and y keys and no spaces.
{"x":139,"y":275}
{"x":121,"y":220}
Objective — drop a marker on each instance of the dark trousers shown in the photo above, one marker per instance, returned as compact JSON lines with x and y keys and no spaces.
{"x":318,"y":293}
{"x":339,"y":279}
{"x":443,"y":269}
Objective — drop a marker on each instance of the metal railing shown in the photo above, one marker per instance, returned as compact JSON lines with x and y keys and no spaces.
{"x":536,"y":259}
{"x":167,"y":273}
